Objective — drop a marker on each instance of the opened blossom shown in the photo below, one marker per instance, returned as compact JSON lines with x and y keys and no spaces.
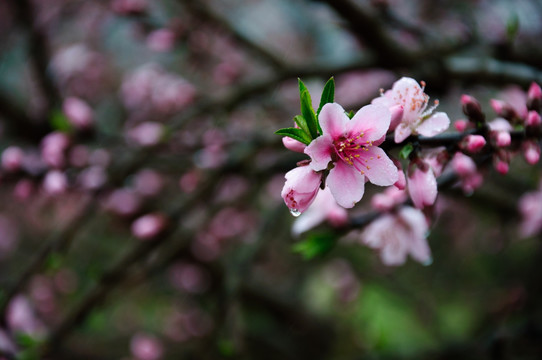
{"x":399,"y":234}
{"x":349,"y":147}
{"x":416,"y":117}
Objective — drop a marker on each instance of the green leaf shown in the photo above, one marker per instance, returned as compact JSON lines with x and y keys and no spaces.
{"x":512,"y":26}
{"x":300,"y":121}
{"x":302,"y":87}
{"x":54,"y":261}
{"x":296,"y":134}
{"x":308,"y":113}
{"x":328,"y":94}
{"x":317,"y":244}
{"x":406,"y":150}
{"x":59,"y":121}
{"x":351,"y":114}
{"x":26,"y":341}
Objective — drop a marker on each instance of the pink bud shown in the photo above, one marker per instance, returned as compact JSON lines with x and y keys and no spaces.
{"x":474,"y":143}
{"x":534,"y":97}
{"x":293,"y":145}
{"x":401,"y":182}
{"x":300,"y":190}
{"x":12,"y":158}
{"x":533,"y":119}
{"x":503,"y":109}
{"x":472,"y":108}
{"x":463,"y":165}
{"x":460,"y":125}
{"x":147,"y":133}
{"x":148,"y":226}
{"x":422,"y":185}
{"x":501,"y":166}
{"x":531,"y":152}
{"x":23,"y":189}
{"x":53,"y":147}
{"x":78,"y":112}
{"x":503,"y":138}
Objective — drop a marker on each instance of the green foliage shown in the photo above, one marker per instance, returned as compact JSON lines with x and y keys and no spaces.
{"x":59,"y":121}
{"x":406,"y":151}
{"x":29,"y":346}
{"x":296,"y":134}
{"x":316,"y":244}
{"x":512,"y":26}
{"x":328,"y":94}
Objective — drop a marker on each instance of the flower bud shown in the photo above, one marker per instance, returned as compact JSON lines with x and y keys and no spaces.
{"x":299,"y":191}
{"x":55,"y":182}
{"x":473,"y":143}
{"x":78,"y":112}
{"x":534,"y":97}
{"x":294,"y":145}
{"x":148,"y":226}
{"x":531,"y":152}
{"x":463,"y":165}
{"x":472,"y":108}
{"x":422,"y":185}
{"x":533,"y":119}
{"x":461,"y":125}
{"x":503,"y":109}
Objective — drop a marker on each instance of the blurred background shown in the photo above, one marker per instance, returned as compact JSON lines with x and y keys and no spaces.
{"x":140,"y":208}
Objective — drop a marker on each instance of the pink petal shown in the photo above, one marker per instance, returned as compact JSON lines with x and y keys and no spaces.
{"x":422,"y":187}
{"x":408,"y":93}
{"x":380,"y":169}
{"x":320,"y":150}
{"x":293,"y":145}
{"x":436,"y":124}
{"x":417,"y":223}
{"x":333,"y":120}
{"x":346,"y":184}
{"x":303,"y":179}
{"x":371,"y":120}
{"x":402,"y":131}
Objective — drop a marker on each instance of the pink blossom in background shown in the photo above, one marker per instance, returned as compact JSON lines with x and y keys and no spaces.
{"x":146,"y":347}
{"x":324,"y":208}
{"x":416,"y":119}
{"x":352,"y":147}
{"x":533,"y":119}
{"x":7,"y":345}
{"x":146,"y":134}
{"x":388,"y":199}
{"x":356,"y":87}
{"x":129,"y":7}
{"x":9,"y":236}
{"x":473,"y":143}
{"x":79,"y":156}
{"x":23,"y":189}
{"x":55,"y":182}
{"x":124,"y":202}
{"x":422,"y":184}
{"x":12,"y":158}
{"x":299,"y":191}
{"x":92,"y":178}
{"x":78,"y":112}
{"x":53,"y":149}
{"x":397,"y":235}
{"x":149,"y":226}
{"x":343,"y":279}
{"x":466,"y":169}
{"x":161,"y":40}
{"x":530,"y":208}
{"x":20,"y":317}
{"x":148,"y":182}
{"x":188,"y":277}
{"x":514,"y":99}
{"x":531,"y":151}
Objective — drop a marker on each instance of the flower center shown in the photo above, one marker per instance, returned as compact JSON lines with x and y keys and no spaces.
{"x":352,"y":150}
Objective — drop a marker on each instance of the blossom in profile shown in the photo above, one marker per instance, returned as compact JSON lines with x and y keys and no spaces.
{"x":301,"y":187}
{"x":422,"y":184}
{"x":323,"y":208}
{"x":416,"y":119}
{"x":350,"y":146}
{"x":398,"y":234}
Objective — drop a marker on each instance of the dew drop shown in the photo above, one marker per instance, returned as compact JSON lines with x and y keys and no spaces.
{"x":295,"y":212}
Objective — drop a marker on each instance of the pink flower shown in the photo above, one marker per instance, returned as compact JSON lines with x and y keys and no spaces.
{"x":530,"y":207}
{"x":299,"y":191}
{"x":466,"y":169}
{"x":531,"y":151}
{"x":398,"y":234}
{"x":78,"y":112}
{"x":387,"y":200}
{"x":323,"y":208}
{"x":473,"y":143}
{"x":12,"y":158}
{"x":148,"y":226}
{"x":351,"y":147}
{"x":146,"y":347}
{"x":407,"y":93}
{"x":422,"y":184}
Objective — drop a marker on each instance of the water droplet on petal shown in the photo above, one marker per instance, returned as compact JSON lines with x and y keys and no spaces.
{"x":295,"y":212}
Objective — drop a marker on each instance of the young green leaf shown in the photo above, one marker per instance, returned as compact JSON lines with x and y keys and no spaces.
{"x":302,"y":87}
{"x":59,"y":121}
{"x":351,"y":114}
{"x":308,"y":113}
{"x":300,"y":121}
{"x":296,"y":134}
{"x":328,"y":94}
{"x":315,"y":245}
{"x":406,"y":150}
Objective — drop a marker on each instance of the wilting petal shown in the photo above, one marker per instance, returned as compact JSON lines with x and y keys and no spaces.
{"x":422,"y":187}
{"x":371,"y":120}
{"x":333,"y":120}
{"x":436,"y":124}
{"x":380,"y":169}
{"x":346,"y":184}
{"x":320,"y":152}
